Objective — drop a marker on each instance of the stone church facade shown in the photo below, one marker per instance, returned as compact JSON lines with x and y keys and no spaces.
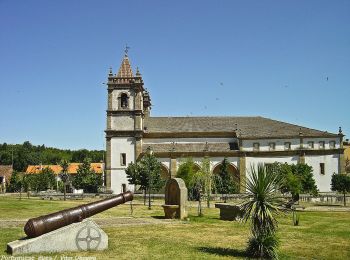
{"x":244,"y":141}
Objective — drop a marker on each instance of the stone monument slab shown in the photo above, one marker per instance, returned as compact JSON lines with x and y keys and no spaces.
{"x":82,"y":236}
{"x":175,"y":199}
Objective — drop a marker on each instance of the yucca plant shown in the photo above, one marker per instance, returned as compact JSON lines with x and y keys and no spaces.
{"x":296,"y":218}
{"x":263,"y":246}
{"x":261,"y":207}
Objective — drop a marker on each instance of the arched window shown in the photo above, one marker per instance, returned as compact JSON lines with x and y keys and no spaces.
{"x":124,"y":100}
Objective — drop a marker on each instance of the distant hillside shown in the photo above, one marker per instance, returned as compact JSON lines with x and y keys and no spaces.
{"x":26,"y":154}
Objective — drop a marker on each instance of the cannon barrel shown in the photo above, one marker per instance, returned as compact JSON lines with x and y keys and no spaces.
{"x":38,"y":226}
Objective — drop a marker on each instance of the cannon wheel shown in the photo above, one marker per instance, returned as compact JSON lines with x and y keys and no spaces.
{"x":86,"y":236}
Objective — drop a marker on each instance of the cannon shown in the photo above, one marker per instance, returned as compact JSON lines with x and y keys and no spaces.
{"x":41,"y":225}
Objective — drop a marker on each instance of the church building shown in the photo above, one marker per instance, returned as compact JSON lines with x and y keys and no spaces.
{"x":244,"y":141}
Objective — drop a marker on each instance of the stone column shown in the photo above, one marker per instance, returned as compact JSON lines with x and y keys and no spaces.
{"x":301,"y":140}
{"x":138,"y":148}
{"x":108,"y":163}
{"x":341,"y":153}
{"x":109,"y":122}
{"x":172,"y":167}
{"x":110,"y":99}
{"x":242,"y":173}
{"x":138,"y":121}
{"x":302,"y":158}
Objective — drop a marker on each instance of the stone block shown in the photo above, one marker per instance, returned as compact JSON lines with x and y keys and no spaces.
{"x":229,"y":211}
{"x":82,"y":236}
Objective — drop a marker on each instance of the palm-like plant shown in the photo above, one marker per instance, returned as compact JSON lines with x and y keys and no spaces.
{"x":260,"y":208}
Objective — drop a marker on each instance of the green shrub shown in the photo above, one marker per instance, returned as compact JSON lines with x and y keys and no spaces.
{"x":263,"y":246}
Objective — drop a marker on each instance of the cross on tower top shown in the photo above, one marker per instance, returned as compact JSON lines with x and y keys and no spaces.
{"x":126,"y":49}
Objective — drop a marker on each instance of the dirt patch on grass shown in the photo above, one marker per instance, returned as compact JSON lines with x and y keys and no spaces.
{"x":327,"y":208}
{"x":130,"y":221}
{"x":122,"y":221}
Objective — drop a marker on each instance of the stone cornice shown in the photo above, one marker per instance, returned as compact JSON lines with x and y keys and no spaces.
{"x":287,"y":137}
{"x":175,"y":154}
{"x":124,"y":112}
{"x":125,"y":86}
{"x":125,"y":133}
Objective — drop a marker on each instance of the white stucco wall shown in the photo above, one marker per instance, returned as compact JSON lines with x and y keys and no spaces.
{"x":118,"y":177}
{"x":254,"y":161}
{"x":318,"y":140}
{"x":331,"y":164}
{"x":247,"y":145}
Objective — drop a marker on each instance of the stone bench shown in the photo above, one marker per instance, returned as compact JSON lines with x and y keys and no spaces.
{"x":229,"y":211}
{"x":170,"y":211}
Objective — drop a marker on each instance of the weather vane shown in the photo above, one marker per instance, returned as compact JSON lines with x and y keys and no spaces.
{"x":126,"y":49}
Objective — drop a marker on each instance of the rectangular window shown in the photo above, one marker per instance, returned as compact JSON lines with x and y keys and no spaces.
{"x":287,"y":145}
{"x":272,"y":146}
{"x":310,"y":145}
{"x":256,"y":146}
{"x":321,"y":145}
{"x":123,"y":159}
{"x":331,"y":144}
{"x":322,"y":169}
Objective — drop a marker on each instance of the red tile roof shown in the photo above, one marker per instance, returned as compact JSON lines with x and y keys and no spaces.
{"x":72,"y":168}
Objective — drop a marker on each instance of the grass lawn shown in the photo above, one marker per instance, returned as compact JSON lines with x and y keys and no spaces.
{"x":321,"y":235}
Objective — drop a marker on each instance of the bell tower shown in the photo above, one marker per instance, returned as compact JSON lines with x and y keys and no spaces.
{"x":125,"y":113}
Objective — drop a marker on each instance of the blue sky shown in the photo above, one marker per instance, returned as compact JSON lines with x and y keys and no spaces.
{"x":267,"y":58}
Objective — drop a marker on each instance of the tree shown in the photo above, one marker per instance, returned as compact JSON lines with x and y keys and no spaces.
{"x":44,"y":180}
{"x":187,"y":172}
{"x":341,"y":183}
{"x":15,"y":182}
{"x":304,"y":172}
{"x":151,"y":169}
{"x":347,"y":165}
{"x":80,"y":155}
{"x":26,"y":154}
{"x":223,"y":181}
{"x":136,"y":176}
{"x":64,"y":176}
{"x":207,"y":177}
{"x":146,"y":173}
{"x":197,"y":185}
{"x":26,"y":183}
{"x":86,"y":178}
{"x":296,"y":178}
{"x":261,"y":208}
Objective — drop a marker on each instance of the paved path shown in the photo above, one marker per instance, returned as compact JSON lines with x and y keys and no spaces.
{"x":327,"y":208}
{"x":121,"y":221}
